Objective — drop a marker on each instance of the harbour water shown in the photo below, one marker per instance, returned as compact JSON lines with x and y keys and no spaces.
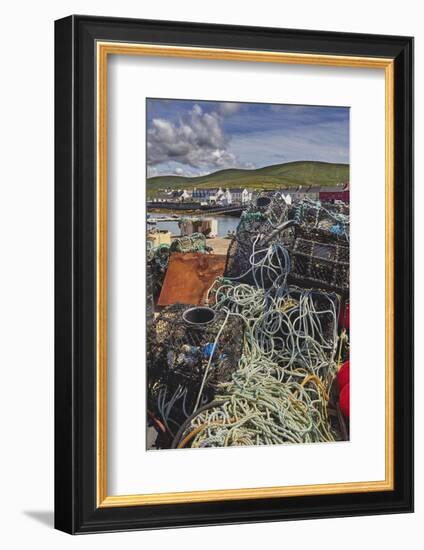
{"x":225,"y":224}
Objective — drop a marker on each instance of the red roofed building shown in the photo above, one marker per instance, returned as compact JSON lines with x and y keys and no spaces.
{"x":339,"y":192}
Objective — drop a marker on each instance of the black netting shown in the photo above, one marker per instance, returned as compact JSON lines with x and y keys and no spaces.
{"x":259,"y":227}
{"x":149,"y":295}
{"x":322,"y":221}
{"x":320,"y":264}
{"x":157,"y":262}
{"x":179,"y":351}
{"x":323,"y":304}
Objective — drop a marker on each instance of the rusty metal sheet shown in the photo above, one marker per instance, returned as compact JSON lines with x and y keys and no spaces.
{"x":189,"y":277}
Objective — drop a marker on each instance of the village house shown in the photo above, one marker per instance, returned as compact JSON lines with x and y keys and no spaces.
{"x":171,"y":196}
{"x":204,"y":194}
{"x":212,"y":196}
{"x":162,"y":196}
{"x":241,"y":196}
{"x":185,"y":196}
{"x":340,"y":192}
{"x":227,"y":198}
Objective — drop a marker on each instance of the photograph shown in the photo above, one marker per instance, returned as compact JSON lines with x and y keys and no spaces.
{"x":211,"y":289}
{"x":247,"y":273}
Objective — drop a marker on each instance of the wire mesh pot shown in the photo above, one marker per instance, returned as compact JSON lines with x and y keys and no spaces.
{"x":320,"y":264}
{"x":258,"y":228}
{"x":149,"y":296}
{"x":182,"y":342}
{"x":322,"y":221}
{"x":263,"y":202}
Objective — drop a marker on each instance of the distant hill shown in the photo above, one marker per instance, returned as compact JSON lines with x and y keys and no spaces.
{"x":287,"y":174}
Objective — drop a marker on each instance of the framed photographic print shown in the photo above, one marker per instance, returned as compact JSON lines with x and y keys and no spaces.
{"x":234,"y":256}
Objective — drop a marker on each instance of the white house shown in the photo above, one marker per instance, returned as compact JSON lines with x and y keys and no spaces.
{"x":184,"y":195}
{"x":212,"y":196}
{"x":219,"y":197}
{"x":227,"y":198}
{"x":163,"y":196}
{"x":204,"y":195}
{"x":242,"y":196}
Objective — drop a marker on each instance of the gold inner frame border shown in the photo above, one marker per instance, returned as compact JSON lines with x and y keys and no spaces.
{"x":103,"y":50}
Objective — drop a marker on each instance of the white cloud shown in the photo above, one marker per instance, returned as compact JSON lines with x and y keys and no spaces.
{"x":226,"y":108}
{"x":197,"y":140}
{"x":196,"y":143}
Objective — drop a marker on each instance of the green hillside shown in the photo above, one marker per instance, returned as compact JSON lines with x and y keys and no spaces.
{"x":275,"y":176}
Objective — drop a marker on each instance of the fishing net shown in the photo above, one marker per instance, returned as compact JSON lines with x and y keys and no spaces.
{"x":193,"y":243}
{"x":149,"y":296}
{"x":322,"y":221}
{"x":320,"y":264}
{"x":184,"y":345}
{"x":157,"y":263}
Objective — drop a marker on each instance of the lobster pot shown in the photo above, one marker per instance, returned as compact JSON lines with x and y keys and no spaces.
{"x":246,"y":242}
{"x":157,"y":261}
{"x":255,"y":226}
{"x":182,"y":341}
{"x":322,"y":221}
{"x":149,"y":296}
{"x":196,"y":242}
{"x":339,"y":206}
{"x":278,"y":209}
{"x":322,"y":265}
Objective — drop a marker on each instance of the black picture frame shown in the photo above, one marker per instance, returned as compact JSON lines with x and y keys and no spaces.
{"x":76,"y":510}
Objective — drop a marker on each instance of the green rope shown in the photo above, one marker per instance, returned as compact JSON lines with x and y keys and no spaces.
{"x":279,"y":393}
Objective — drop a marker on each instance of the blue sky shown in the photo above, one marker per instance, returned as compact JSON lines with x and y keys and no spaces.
{"x":191,"y":138}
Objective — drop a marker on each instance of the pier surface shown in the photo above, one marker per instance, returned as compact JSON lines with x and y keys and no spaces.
{"x":219,"y":245}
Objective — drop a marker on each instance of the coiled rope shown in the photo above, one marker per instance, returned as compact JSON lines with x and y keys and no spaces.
{"x":279,"y":393}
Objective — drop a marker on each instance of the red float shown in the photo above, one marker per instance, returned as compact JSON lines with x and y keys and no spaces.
{"x":344,"y":400}
{"x":344,"y":316}
{"x":343,"y":375}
